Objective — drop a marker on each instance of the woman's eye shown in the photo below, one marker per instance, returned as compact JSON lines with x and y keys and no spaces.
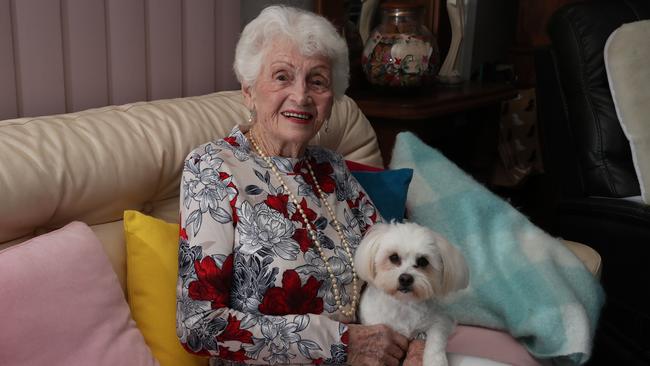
{"x":281,"y":76}
{"x":319,"y":82}
{"x":394,"y":258}
{"x":421,"y":262}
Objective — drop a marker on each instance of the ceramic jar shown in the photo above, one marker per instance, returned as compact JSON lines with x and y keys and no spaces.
{"x":401,"y":51}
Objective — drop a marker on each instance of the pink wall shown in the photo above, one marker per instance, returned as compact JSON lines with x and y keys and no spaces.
{"x":60,"y":56}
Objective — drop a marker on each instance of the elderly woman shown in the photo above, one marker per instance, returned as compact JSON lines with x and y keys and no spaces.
{"x":269,"y":225}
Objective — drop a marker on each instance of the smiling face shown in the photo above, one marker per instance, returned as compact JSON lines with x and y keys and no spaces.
{"x":292,"y":97}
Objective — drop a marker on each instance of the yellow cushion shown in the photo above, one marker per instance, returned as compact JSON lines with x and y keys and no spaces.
{"x":151,"y":271}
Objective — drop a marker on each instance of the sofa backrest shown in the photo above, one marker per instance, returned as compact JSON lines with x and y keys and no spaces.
{"x":92,"y":165}
{"x":583,"y":136}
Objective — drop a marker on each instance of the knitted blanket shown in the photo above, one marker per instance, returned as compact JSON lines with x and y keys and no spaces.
{"x":522,"y":280}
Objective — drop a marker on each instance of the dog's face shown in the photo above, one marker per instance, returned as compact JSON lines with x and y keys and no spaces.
{"x":410,"y":262}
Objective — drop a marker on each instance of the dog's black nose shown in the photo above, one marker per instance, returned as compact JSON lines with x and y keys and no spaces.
{"x":405,"y":280}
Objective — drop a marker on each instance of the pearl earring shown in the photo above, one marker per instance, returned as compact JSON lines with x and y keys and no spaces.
{"x":251,"y":116}
{"x":327,"y":125}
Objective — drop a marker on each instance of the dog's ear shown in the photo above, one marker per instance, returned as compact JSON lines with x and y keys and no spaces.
{"x":364,"y":258}
{"x":455,"y":273}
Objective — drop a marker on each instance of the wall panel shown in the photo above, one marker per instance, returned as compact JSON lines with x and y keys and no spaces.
{"x":8,"y":102}
{"x":38,"y":45}
{"x":198,"y":47}
{"x":165,"y":48}
{"x":84,"y":45}
{"x":127,"y":77}
{"x":228,"y":25}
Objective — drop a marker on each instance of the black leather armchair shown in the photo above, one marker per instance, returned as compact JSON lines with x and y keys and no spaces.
{"x":588,"y":159}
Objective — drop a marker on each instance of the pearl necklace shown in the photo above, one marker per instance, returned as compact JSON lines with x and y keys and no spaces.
{"x":312,"y":232}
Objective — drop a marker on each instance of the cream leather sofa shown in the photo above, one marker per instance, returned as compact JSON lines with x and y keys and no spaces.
{"x":92,"y":165}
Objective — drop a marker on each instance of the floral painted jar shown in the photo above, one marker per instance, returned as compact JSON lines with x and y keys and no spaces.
{"x":401,"y":51}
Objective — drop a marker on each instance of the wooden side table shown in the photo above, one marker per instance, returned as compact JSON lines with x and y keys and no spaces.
{"x":461,"y":121}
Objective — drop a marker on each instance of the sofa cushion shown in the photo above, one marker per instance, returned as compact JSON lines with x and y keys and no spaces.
{"x":61,"y":304}
{"x":152,"y":271}
{"x":626,"y":58}
{"x":488,"y":344}
{"x":387,"y":188}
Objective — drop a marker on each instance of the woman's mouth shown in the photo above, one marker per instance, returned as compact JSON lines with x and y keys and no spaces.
{"x":298,"y":117}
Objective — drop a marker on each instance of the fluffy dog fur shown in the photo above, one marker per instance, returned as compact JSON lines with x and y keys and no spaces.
{"x":409,"y":269}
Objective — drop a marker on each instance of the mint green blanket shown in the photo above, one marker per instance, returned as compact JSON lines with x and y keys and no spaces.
{"x":522,"y":280}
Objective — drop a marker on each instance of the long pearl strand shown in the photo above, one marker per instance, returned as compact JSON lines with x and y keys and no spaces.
{"x":314,"y":236}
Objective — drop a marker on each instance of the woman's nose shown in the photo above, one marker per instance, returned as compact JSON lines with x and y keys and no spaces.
{"x":301,"y":94}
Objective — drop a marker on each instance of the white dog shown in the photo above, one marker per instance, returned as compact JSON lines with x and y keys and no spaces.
{"x":409,"y":269}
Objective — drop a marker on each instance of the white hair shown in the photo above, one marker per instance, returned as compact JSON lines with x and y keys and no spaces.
{"x":311,"y":33}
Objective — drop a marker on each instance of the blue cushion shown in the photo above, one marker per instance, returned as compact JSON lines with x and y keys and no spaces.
{"x":387,"y":189}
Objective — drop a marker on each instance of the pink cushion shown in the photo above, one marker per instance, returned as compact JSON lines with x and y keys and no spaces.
{"x":61,"y":304}
{"x":491,"y":344}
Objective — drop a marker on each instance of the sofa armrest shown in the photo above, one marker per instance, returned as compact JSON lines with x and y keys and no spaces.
{"x":587,"y":255}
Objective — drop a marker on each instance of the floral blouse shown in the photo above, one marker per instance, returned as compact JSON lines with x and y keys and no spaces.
{"x":252,"y":288}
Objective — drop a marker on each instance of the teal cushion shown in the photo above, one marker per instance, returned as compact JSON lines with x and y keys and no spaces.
{"x":521,"y":279}
{"x":387,"y":190}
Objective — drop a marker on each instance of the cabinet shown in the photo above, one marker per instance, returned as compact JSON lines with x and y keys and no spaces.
{"x":461,"y":121}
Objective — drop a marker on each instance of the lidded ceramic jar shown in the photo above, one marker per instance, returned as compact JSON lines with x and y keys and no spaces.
{"x":401,"y":51}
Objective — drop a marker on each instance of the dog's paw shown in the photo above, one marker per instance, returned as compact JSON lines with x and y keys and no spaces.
{"x":435,"y":359}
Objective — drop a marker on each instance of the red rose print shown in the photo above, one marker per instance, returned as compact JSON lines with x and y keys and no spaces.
{"x":223,"y":176}
{"x":233,"y":208}
{"x":213,"y":283}
{"x":355,"y":203}
{"x":311,"y":215}
{"x":302,"y":237}
{"x":231,"y":140}
{"x":323,"y":173}
{"x":278,"y":203}
{"x":234,"y":333}
{"x":183,"y":233}
{"x":237,"y":356}
{"x":292,"y":298}
{"x":345,"y":337}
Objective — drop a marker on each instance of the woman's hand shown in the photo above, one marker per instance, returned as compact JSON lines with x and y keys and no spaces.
{"x":371,"y":345}
{"x":415,"y":353}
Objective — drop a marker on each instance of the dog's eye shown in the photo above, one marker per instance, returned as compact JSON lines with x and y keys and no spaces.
{"x":394,"y":258}
{"x":421,"y":262}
